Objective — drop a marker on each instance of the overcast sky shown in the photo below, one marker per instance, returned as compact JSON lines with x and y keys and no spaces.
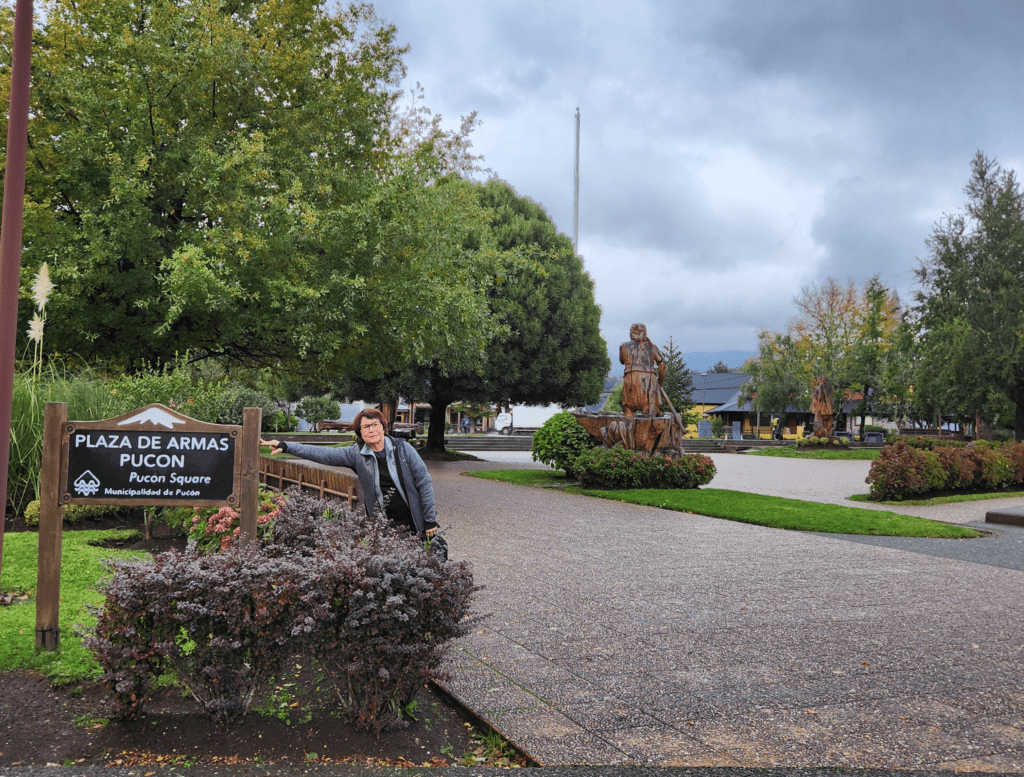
{"x":731,"y":152}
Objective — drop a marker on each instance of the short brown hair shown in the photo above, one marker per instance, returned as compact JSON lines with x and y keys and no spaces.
{"x":370,"y":412}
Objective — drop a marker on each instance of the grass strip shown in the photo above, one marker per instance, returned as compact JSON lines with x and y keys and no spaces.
{"x":841,"y":454}
{"x":945,"y":499}
{"x":794,"y":514}
{"x":81,"y":568}
{"x":772,"y":511}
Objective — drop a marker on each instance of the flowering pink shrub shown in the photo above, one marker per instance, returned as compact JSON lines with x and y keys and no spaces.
{"x":216,"y":528}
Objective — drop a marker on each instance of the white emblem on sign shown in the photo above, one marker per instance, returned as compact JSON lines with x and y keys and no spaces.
{"x":87,"y":484}
{"x":153,"y":415}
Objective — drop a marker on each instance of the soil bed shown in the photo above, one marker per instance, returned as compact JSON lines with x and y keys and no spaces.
{"x":42,"y":725}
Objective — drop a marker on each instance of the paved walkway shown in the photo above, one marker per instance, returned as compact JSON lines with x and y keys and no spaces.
{"x":629,"y":635}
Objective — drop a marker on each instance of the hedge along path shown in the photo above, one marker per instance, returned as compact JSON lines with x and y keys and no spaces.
{"x":130,"y":460}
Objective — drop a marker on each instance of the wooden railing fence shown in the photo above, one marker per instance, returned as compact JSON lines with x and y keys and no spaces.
{"x":282,"y":473}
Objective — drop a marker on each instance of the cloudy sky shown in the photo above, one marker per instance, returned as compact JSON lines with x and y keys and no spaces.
{"x":732,"y":151}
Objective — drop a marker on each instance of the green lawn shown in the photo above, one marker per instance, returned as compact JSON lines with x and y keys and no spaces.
{"x":81,"y":567}
{"x":792,"y":452}
{"x":772,"y":511}
{"x":946,"y":499}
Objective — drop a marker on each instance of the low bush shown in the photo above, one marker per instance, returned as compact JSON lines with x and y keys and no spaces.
{"x":898,"y":472}
{"x":223,"y":622}
{"x":930,"y":443}
{"x":618,"y":468}
{"x":994,"y":468}
{"x":560,"y":441}
{"x":77,"y":513}
{"x":820,"y":442}
{"x":367,"y":601}
{"x":959,"y":466}
{"x":903,"y":468}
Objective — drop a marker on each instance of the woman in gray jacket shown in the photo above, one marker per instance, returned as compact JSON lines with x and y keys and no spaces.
{"x":388,"y":469}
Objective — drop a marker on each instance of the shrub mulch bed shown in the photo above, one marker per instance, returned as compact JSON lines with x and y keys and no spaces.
{"x":42,"y":725}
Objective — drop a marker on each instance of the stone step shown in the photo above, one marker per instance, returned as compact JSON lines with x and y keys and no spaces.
{"x":490,"y":442}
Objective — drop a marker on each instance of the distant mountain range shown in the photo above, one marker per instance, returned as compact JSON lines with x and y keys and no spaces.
{"x":700,"y":360}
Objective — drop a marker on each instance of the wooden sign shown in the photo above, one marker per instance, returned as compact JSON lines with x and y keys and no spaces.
{"x":150,"y":456}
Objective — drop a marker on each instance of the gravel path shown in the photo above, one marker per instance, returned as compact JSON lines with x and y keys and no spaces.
{"x":628,"y":635}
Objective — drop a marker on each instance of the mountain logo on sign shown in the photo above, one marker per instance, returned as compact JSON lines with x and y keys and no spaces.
{"x":87,"y":484}
{"x":153,"y":415}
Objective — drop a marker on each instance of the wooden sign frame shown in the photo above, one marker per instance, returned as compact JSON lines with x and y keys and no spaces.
{"x":136,"y":443}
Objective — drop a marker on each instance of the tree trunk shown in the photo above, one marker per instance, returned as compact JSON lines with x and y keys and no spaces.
{"x":389,"y":407}
{"x":1018,"y":422}
{"x":435,"y":431}
{"x":984,"y":431}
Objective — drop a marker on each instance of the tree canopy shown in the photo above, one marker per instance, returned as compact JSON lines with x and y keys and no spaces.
{"x":234,"y":180}
{"x":546,"y":347}
{"x":969,"y":311}
{"x":839,"y":332}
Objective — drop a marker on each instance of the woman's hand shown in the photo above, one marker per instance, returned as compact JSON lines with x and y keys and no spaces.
{"x":274,"y":449}
{"x":430,"y":532}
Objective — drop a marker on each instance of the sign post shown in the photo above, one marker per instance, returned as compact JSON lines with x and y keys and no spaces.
{"x":150,"y":456}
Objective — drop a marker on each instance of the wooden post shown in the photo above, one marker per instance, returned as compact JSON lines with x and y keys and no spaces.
{"x":51,"y":526}
{"x":252,"y":418}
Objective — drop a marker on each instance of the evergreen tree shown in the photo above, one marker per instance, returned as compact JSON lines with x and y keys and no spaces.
{"x":678,"y":383}
{"x":970,"y":309}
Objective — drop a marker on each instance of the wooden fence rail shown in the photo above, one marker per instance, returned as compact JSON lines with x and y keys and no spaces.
{"x":311,"y":478}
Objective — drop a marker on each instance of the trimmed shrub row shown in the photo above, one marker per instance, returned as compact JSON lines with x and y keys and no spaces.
{"x":367,"y":602}
{"x":822,"y":442}
{"x":903,"y":470}
{"x":77,"y":513}
{"x":931,"y":443}
{"x":620,"y":468}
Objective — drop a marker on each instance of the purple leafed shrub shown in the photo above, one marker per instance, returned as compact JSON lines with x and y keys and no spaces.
{"x":368,"y":602}
{"x":223,"y":622}
{"x":395,"y":606}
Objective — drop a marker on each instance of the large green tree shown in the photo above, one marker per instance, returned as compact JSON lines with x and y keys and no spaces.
{"x":969,"y":308}
{"x":231,"y":178}
{"x":547,"y":346}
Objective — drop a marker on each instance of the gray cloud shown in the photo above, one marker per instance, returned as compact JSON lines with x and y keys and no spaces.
{"x":731,"y":151}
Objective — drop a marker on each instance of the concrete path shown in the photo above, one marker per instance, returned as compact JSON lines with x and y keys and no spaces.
{"x":628,"y":635}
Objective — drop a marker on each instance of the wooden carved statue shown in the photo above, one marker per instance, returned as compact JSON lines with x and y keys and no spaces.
{"x":822,"y":407}
{"x":644,"y":374}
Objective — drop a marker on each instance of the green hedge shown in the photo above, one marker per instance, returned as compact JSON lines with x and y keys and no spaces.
{"x":616,"y":468}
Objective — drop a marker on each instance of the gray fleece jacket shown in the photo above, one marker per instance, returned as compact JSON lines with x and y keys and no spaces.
{"x":419,"y":492}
